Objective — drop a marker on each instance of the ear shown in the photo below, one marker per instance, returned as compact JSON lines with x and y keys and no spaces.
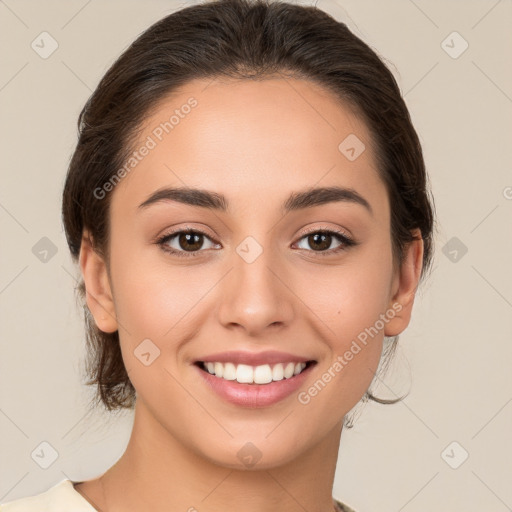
{"x":97,"y":286}
{"x":405,"y":283}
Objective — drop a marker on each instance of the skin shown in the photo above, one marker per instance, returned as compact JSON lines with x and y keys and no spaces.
{"x":183,"y":449}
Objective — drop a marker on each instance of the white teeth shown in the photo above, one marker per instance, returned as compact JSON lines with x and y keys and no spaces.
{"x":262,"y":374}
{"x":219,"y":369}
{"x":278,"y":372}
{"x":229,"y":371}
{"x":288,"y":371}
{"x":244,"y":373}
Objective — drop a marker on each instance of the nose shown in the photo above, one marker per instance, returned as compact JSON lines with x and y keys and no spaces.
{"x":255,"y":296}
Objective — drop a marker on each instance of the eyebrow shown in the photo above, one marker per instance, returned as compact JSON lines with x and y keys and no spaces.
{"x":296,"y":201}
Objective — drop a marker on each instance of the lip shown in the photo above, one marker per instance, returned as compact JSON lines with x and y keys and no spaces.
{"x":254,"y":395}
{"x":254,"y":358}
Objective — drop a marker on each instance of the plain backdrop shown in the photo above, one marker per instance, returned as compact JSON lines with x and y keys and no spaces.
{"x":447,"y":446}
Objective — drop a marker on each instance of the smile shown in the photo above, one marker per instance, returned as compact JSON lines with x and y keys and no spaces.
{"x":254,"y":389}
{"x":261,"y":374}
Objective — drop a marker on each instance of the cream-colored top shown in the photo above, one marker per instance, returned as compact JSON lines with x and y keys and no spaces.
{"x":63,"y":497}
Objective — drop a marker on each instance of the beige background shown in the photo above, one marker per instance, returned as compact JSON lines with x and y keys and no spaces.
{"x":455,"y":357}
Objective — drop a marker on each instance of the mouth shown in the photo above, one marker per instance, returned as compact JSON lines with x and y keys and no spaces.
{"x":256,"y":375}
{"x":254,"y":380}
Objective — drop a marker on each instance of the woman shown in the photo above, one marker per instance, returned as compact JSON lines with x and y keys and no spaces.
{"x":248,"y":205}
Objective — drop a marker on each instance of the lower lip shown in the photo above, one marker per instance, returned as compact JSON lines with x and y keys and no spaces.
{"x":254,"y":395}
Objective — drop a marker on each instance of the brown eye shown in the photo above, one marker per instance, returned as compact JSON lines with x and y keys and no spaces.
{"x":182,"y":242}
{"x":190,"y":241}
{"x":321,"y":241}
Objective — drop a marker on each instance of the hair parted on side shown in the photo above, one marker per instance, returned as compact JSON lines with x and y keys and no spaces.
{"x":240,"y":39}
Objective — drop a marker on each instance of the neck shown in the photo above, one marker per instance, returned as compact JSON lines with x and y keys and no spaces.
{"x":158,"y":473}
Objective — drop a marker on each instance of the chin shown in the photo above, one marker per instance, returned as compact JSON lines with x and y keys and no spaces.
{"x":252,"y":453}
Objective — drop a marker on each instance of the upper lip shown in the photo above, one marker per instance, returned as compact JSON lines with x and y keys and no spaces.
{"x":254,"y":358}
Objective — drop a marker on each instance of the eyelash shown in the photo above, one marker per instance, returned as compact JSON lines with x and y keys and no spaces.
{"x":346,"y":241}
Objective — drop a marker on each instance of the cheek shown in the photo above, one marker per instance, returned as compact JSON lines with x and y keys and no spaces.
{"x":151,"y":298}
{"x":361,"y":300}
{"x":157,"y":306}
{"x":354,"y":303}
{"x":354,"y":340}
{"x":349,"y":297}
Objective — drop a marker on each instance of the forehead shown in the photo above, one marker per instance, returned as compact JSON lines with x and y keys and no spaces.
{"x":251,"y":139}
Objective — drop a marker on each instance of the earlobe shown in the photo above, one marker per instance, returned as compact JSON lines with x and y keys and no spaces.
{"x":97,"y":287}
{"x":405,"y":285}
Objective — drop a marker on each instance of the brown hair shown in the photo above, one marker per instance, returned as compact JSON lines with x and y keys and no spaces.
{"x":244,"y":39}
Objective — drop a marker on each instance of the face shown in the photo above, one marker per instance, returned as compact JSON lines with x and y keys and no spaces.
{"x":255,"y":274}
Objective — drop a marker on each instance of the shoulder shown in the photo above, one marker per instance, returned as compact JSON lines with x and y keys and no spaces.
{"x":62,"y":497}
{"x":341,"y":507}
